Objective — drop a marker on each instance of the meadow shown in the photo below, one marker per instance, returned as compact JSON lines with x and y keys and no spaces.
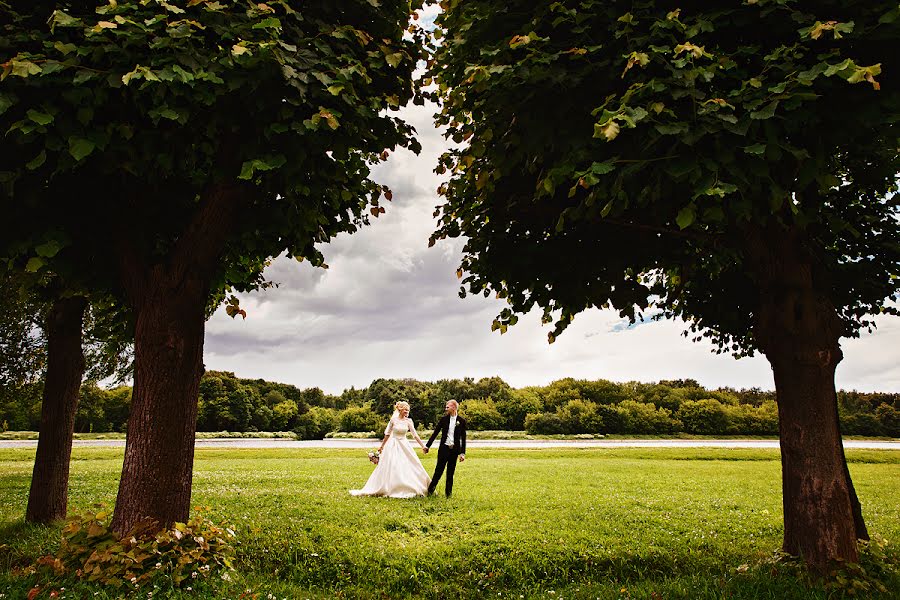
{"x":598,"y":523}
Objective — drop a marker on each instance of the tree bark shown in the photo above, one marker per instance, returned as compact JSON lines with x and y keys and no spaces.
{"x":169,"y":302}
{"x":798,"y":329}
{"x":48,"y":496}
{"x":168,"y":361}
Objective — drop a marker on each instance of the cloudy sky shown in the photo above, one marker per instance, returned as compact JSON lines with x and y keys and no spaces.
{"x":388,"y":307}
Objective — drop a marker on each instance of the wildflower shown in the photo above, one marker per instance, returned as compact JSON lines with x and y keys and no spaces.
{"x":194,"y":575}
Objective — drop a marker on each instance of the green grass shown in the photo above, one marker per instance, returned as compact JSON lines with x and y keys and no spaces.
{"x":598,"y":523}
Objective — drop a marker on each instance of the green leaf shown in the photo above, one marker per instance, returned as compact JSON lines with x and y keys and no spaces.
{"x":80,"y":147}
{"x":5,"y":102}
{"x":686,"y":216}
{"x":49,"y":249}
{"x":41,"y":118}
{"x":65,"y":48}
{"x":672,"y":129}
{"x":767,"y":112}
{"x":270,"y":23}
{"x":34,"y":264}
{"x":757,"y":149}
{"x":37,"y":161}
{"x":61,"y":19}
{"x":394,"y":59}
{"x":250,"y":167}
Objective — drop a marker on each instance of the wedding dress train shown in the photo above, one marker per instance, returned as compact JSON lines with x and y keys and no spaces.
{"x":399,"y":472}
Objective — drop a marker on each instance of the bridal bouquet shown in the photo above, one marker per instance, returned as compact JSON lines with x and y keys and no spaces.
{"x":374,"y":455}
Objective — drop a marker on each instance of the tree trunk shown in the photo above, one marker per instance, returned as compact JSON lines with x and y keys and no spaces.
{"x":169,"y":303}
{"x":48,"y":497}
{"x":798,"y":329}
{"x":168,"y":362}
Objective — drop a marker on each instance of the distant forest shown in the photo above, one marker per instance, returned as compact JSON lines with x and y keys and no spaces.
{"x":567,"y":406}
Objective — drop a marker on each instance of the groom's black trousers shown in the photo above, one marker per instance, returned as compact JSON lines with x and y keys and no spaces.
{"x":447,"y":457}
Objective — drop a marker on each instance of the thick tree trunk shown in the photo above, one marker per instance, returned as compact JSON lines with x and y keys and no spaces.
{"x":169,"y":302}
{"x":168,"y":362}
{"x":798,"y":329}
{"x":48,"y":497}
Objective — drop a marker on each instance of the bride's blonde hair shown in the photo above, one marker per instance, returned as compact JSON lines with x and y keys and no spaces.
{"x":401,"y":404}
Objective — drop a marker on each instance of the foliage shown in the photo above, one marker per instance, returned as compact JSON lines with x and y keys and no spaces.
{"x":124,"y":93}
{"x":482,"y":414}
{"x":315,"y":423}
{"x":361,"y":418}
{"x":687,"y":132}
{"x":567,"y":406}
{"x":183,"y":555}
{"x":678,"y":523}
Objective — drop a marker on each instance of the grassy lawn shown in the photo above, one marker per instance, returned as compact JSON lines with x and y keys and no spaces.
{"x":635,"y":523}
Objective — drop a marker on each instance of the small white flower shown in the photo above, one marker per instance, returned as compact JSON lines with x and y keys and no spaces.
{"x":194,"y":575}
{"x":159,"y":565}
{"x":134,"y":580}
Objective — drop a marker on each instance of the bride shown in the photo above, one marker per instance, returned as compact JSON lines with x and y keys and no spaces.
{"x":399,"y":472}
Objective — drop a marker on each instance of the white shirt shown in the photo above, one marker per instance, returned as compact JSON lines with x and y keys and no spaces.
{"x":451,"y":430}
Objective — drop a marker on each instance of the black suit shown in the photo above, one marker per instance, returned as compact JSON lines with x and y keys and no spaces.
{"x":447,"y":455}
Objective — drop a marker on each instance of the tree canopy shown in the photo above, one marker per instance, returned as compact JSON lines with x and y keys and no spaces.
{"x":120,"y":118}
{"x":681,"y":128}
{"x":734,"y":165}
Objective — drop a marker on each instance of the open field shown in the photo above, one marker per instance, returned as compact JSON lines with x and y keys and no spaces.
{"x":592,"y":523}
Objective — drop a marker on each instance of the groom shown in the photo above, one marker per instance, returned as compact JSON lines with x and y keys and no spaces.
{"x":452,"y":428}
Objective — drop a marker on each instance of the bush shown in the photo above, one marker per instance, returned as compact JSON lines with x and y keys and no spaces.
{"x":703,"y":416}
{"x":183,"y":554}
{"x":482,"y":415}
{"x":746,"y":419}
{"x":544,"y":424}
{"x":861,"y":424}
{"x":284,"y":415}
{"x":315,"y":423}
{"x":638,"y":417}
{"x":519,"y":405}
{"x":580,"y":416}
{"x":889,"y":418}
{"x":360,"y":418}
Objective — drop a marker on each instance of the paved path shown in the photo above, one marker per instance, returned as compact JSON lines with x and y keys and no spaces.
{"x":357,"y":443}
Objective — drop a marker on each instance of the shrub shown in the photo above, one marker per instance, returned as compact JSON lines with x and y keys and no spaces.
{"x":860,"y":424}
{"x":482,"y":415}
{"x":889,"y":418}
{"x":519,"y":405}
{"x":187,"y":552}
{"x":703,"y":416}
{"x":638,"y":417}
{"x":544,"y":423}
{"x":315,"y":423}
{"x":284,"y":415}
{"x":360,"y":418}
{"x":580,"y":416}
{"x":747,"y":419}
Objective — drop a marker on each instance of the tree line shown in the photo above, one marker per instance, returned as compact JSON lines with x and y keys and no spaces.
{"x":566,"y":406}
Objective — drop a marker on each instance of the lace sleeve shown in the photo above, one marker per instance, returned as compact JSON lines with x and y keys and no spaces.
{"x":412,"y":427}
{"x":389,"y":428}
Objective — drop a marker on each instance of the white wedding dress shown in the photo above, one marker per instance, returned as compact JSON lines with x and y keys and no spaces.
{"x":399,"y":472}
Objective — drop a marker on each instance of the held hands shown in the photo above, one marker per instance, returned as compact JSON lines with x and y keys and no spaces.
{"x":424,"y":449}
{"x":462,"y":458}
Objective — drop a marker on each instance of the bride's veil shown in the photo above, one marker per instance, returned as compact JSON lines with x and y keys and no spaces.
{"x":395,"y":414}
